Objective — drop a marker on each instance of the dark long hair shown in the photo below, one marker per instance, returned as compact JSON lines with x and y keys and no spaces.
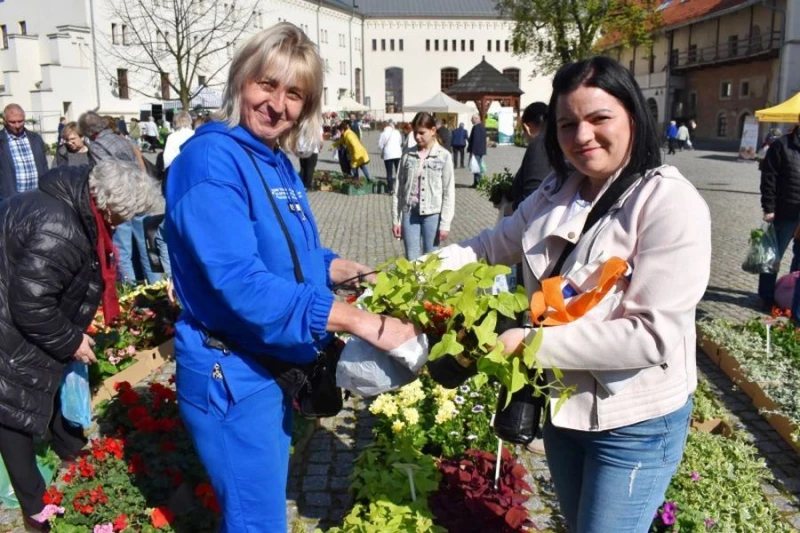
{"x":423,"y":119}
{"x":606,"y":74}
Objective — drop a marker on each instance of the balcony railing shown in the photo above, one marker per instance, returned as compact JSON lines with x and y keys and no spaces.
{"x":730,"y":50}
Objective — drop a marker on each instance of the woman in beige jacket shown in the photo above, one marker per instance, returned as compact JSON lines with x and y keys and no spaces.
{"x":614,"y":445}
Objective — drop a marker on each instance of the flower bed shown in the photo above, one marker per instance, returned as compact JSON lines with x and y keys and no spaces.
{"x":770,"y":378}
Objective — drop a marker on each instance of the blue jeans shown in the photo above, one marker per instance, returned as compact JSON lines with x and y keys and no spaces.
{"x":418,"y":227}
{"x":364,"y":169}
{"x":244,"y":446}
{"x":163,"y":252}
{"x":126,"y":236}
{"x":784,"y":230}
{"x":615,"y":480}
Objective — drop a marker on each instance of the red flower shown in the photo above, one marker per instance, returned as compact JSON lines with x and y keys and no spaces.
{"x":121,"y":522}
{"x":128,"y":397}
{"x":136,"y":465}
{"x":137,"y":413}
{"x":53,"y":496}
{"x":120,"y":386}
{"x":161,"y":517}
{"x":86,"y":468}
{"x":97,"y":495}
{"x":146,"y":424}
{"x":166,"y":424}
{"x":351,"y":299}
{"x":208,"y":499}
{"x":114,"y":447}
{"x":91,"y":330}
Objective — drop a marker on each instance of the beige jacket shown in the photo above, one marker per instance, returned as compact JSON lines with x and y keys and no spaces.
{"x":662,"y":227}
{"x":437,"y":190}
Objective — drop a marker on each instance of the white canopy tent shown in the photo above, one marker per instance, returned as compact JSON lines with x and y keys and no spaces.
{"x":205,"y":98}
{"x":345,"y":104}
{"x":441,"y":103}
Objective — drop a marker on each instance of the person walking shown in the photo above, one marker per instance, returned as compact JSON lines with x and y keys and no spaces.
{"x":780,"y":200}
{"x":61,"y":123}
{"x":444,"y":135}
{"x":535,"y":166}
{"x":150,"y":133}
{"x":122,"y":127}
{"x":614,"y":445}
{"x":356,"y":153}
{"x":683,"y":137}
{"x":183,"y":132}
{"x":231,"y":191}
{"x":390,"y":144}
{"x":56,"y":267}
{"x":459,"y":142}
{"x":23,"y":157}
{"x":672,"y":136}
{"x":309,"y":154}
{"x":73,"y":150}
{"x":423,"y":203}
{"x":477,"y":147}
{"x":355,"y":126}
{"x":135,"y":132}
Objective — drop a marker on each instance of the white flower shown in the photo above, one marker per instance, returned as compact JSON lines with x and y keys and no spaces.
{"x":477,"y":409}
{"x":459,"y":400}
{"x":398,"y":426}
{"x":411,"y":415}
{"x":472,"y":437}
{"x":453,"y":433}
{"x":473,"y":394}
{"x":464,"y":388}
{"x":446,"y":412}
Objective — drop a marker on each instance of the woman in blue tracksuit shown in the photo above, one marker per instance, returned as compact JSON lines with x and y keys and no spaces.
{"x":235,"y":277}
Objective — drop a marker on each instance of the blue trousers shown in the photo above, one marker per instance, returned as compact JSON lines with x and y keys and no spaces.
{"x":244,"y":447}
{"x":418,"y":228}
{"x":784,"y":230}
{"x":615,"y":480}
{"x":126,"y":236}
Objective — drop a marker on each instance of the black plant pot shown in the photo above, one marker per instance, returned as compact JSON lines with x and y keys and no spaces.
{"x":449,"y":373}
{"x":519,"y":422}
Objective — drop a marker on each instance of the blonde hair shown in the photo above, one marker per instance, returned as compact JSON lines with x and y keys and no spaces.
{"x":282,"y":52}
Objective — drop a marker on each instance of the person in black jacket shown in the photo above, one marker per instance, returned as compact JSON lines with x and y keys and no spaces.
{"x":535,"y":166}
{"x":780,"y":199}
{"x":477,"y":146}
{"x":444,"y":135}
{"x":56,"y":266}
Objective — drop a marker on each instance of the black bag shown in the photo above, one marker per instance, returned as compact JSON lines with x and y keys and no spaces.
{"x":312,"y":387}
{"x":520,"y":421}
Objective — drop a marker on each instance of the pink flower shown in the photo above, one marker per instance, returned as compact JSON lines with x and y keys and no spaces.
{"x":131,"y":349}
{"x":109,"y":351}
{"x":135,"y":332}
{"x":114,"y":360}
{"x":666,"y":517}
{"x":49,"y":511}
{"x":695,"y":476}
{"x":104,"y":528}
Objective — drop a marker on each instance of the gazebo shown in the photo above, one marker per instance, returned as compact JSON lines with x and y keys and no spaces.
{"x":484,"y":84}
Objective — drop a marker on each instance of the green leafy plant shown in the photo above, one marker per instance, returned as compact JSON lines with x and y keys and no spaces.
{"x":386,"y":517}
{"x":706,"y":405}
{"x":497,"y":186}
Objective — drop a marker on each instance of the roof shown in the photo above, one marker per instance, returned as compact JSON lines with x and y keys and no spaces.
{"x":440,"y":103}
{"x":425,"y":9}
{"x":677,"y":13}
{"x":484,"y":79}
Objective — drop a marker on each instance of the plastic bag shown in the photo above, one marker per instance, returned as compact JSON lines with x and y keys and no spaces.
{"x":474,"y":166}
{"x":483,"y":166}
{"x":76,"y":404}
{"x":7,"y":496}
{"x":367,"y":371}
{"x":784,"y":290}
{"x":763,"y":256}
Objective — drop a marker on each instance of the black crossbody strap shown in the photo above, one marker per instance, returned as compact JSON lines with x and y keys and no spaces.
{"x":298,"y":271}
{"x":599,"y":210}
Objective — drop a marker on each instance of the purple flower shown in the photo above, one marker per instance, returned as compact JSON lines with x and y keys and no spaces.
{"x":695,"y":476}
{"x":477,"y":409}
{"x":670,"y":508}
{"x":668,"y":518}
{"x":709,"y":523}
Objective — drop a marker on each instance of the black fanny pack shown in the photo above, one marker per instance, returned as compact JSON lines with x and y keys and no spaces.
{"x":312,"y":386}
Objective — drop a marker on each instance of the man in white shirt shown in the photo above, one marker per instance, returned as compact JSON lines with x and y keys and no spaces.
{"x":183,"y":131}
{"x":391,"y":146}
{"x":150,"y":133}
{"x":683,"y":137}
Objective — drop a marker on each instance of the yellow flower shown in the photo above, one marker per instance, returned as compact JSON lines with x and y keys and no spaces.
{"x":446,"y":412}
{"x":444,"y":394}
{"x":411,"y":394}
{"x":384,"y":405}
{"x":411,"y":415}
{"x":398,"y":426}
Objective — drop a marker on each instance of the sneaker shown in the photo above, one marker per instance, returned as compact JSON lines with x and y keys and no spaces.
{"x":536,"y":446}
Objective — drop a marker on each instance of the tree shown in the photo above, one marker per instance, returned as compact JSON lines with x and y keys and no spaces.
{"x":177,"y":45}
{"x":556,"y":32}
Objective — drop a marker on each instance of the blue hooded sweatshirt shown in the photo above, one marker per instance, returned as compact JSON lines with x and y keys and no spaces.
{"x":231,"y":263}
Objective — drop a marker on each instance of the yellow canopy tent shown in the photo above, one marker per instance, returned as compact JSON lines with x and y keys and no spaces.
{"x":788,"y":111}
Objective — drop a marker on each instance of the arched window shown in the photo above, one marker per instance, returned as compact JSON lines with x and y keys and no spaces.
{"x":448,"y":77}
{"x":652,"y":106}
{"x":722,"y":124}
{"x":393,"y":86}
{"x":740,"y":125}
{"x":512,"y":74}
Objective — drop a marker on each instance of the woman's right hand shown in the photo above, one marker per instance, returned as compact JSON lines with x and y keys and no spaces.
{"x":384,"y":332}
{"x":85,"y":354}
{"x":397,"y":231}
{"x":393,"y":333}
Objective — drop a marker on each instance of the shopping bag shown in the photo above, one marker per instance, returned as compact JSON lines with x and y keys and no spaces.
{"x":763,"y":256}
{"x":367,"y":371}
{"x":7,"y":496}
{"x":474,"y":166}
{"x":76,"y":398}
{"x":483,"y":166}
{"x":784,"y":290}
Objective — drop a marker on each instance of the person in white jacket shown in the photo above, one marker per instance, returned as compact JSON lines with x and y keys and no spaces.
{"x":391,"y":146}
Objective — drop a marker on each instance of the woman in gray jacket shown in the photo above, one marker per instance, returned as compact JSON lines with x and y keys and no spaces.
{"x":424,"y":200}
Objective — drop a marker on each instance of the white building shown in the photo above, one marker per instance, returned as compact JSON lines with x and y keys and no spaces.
{"x":63,"y":57}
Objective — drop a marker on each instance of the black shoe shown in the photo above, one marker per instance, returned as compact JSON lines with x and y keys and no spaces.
{"x":35,"y":525}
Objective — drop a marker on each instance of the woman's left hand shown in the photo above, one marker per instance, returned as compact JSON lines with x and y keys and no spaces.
{"x":443,"y":235}
{"x":512,"y":339}
{"x":351,"y":273}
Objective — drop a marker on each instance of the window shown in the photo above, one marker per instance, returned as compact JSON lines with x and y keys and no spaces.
{"x":357,"y":77}
{"x":325,"y":96}
{"x":449,"y":76}
{"x":725,"y":89}
{"x":463,"y":45}
{"x":401,"y":44}
{"x":733,"y":46}
{"x":125,"y":41}
{"x":391,"y":45}
{"x":383,"y":45}
{"x":471,"y":45}
{"x":673,"y":57}
{"x":427,"y":45}
{"x":506,"y":46}
{"x":744,"y":89}
{"x":374,"y":45}
{"x":512,"y":74}
{"x":651,"y":62}
{"x":23,"y":27}
{"x":201,"y":81}
{"x":4,"y":31}
{"x":229,"y":48}
{"x":541,"y":46}
{"x":436,"y":45}
{"x":497,"y":45}
{"x":164,"y":86}
{"x":444,"y":43}
{"x":114,"y":34}
{"x":122,"y":83}
{"x":693,"y":103}
{"x":393,"y":89}
{"x":722,"y":125}
{"x":692,"y":55}
{"x":455,"y":46}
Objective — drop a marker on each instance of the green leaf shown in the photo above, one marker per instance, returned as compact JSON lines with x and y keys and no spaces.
{"x":519,"y":375}
{"x":447,"y":346}
{"x":485,"y":332}
{"x":531,"y":349}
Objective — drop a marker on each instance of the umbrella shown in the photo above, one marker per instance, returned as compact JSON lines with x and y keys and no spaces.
{"x":788,"y":111}
{"x":440,"y":103}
